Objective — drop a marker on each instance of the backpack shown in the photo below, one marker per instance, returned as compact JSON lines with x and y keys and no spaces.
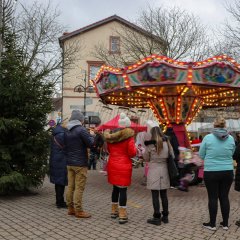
{"x":98,"y":140}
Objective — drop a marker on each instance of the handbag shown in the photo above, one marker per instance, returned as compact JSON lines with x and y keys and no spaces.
{"x":172,"y":168}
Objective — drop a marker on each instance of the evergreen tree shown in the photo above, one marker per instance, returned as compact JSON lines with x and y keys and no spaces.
{"x":25,"y":100}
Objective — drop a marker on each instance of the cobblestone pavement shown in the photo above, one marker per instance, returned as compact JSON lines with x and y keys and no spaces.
{"x":36,"y":217}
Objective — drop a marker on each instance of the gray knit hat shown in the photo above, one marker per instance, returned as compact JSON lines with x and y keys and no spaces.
{"x":77,"y":115}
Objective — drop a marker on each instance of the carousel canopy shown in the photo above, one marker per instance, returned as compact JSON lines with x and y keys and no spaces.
{"x":174,"y":90}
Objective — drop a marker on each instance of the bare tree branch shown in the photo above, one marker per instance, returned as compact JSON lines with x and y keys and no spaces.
{"x":171,"y":32}
{"x":231,"y":31}
{"x":38,"y":29}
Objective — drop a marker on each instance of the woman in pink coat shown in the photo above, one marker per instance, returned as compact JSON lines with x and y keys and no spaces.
{"x":121,"y":148}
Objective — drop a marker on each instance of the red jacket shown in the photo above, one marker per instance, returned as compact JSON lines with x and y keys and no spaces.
{"x":121,"y":147}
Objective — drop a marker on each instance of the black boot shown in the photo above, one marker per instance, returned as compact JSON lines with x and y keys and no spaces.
{"x":62,"y":205}
{"x":156,"y":220}
{"x":165,"y":217}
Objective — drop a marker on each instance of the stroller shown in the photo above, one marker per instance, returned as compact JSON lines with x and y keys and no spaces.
{"x":189,"y":161}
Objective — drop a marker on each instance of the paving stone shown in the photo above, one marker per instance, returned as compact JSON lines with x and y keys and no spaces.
{"x":36,"y":217}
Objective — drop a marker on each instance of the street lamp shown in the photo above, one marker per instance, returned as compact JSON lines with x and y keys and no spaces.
{"x":85,"y":89}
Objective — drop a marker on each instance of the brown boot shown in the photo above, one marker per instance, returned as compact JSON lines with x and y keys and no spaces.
{"x":82,"y":214}
{"x":71,"y":211}
{"x":114,"y":213}
{"x":123,"y":215}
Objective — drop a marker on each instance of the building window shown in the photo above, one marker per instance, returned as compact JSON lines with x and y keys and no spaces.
{"x":114,"y":44}
{"x":93,"y":68}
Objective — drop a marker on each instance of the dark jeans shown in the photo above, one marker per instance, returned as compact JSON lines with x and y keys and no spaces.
{"x":119,"y":194}
{"x":93,"y":160}
{"x":156,"y":204}
{"x":218,"y":185}
{"x":59,"y":190}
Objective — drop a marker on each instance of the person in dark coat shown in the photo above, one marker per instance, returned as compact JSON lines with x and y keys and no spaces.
{"x":236,"y":156}
{"x":174,"y":143}
{"x":77,"y":140}
{"x":58,"y":165}
{"x":237,"y":140}
{"x":95,"y":151}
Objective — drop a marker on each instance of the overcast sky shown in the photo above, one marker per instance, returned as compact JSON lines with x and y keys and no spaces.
{"x":79,"y":13}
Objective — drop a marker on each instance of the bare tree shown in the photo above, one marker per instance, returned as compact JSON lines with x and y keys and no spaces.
{"x":6,"y":12}
{"x":230,"y":33}
{"x":38,"y":29}
{"x":170,"y":32}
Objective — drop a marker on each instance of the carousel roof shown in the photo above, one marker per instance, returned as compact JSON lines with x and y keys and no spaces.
{"x":175,"y":85}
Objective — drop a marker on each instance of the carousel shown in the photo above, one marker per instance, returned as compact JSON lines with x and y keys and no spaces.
{"x":175,"y":91}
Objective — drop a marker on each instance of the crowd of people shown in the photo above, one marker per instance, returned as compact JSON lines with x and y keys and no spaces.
{"x":70,"y":161}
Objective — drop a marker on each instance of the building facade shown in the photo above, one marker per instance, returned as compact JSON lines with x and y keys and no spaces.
{"x":84,"y":66}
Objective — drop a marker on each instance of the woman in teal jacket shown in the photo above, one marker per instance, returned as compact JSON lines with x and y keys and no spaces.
{"x":217,"y":150}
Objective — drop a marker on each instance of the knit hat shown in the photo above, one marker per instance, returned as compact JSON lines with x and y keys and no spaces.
{"x":124,"y":121}
{"x":150,"y":124}
{"x":77,"y":115}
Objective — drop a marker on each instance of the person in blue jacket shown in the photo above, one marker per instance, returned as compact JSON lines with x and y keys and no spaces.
{"x":58,"y":165}
{"x":216,"y":150}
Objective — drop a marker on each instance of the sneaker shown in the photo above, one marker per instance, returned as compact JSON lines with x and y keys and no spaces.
{"x":209,"y":226}
{"x":223,"y":227}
